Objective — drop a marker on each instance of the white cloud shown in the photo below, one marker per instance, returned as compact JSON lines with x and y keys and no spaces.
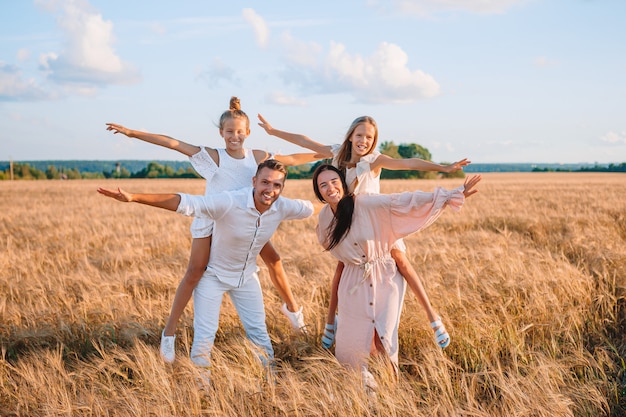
{"x":217,"y":72}
{"x":301,"y":53}
{"x":13,"y":87}
{"x":383,"y":77}
{"x":283,"y":100}
{"x":428,"y":7}
{"x":258,"y":24}
{"x":614,"y":138}
{"x":88,"y":58}
{"x":158,"y":28}
{"x":542,"y":62}
{"x":23,"y":54}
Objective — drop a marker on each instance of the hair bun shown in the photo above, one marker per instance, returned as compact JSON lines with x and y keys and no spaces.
{"x":234,"y":103}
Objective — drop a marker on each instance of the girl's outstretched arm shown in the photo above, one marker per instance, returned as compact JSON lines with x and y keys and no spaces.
{"x":323,"y":150}
{"x":295,"y":159}
{"x":156,"y":139}
{"x":416,"y":164}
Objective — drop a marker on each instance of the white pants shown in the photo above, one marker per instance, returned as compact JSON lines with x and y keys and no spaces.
{"x":247,"y":299}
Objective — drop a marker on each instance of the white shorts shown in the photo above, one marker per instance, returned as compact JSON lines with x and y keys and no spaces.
{"x":201,"y":227}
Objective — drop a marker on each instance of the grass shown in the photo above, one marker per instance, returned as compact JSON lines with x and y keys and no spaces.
{"x":529,"y":278}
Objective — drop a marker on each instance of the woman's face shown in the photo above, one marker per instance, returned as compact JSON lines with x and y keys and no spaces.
{"x":235,"y":132}
{"x":330,"y":187}
{"x":362,"y":140}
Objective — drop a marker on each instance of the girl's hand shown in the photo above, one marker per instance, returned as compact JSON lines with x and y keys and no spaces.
{"x":265,"y":124}
{"x":457,"y":166}
{"x":115,"y":128}
{"x":470,"y":183}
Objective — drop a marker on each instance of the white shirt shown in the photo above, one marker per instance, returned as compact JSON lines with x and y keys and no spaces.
{"x":240,"y":231}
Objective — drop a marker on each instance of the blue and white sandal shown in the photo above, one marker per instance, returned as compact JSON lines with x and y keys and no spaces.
{"x":328,"y":338}
{"x":441,"y":335}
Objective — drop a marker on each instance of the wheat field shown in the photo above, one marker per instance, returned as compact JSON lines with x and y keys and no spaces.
{"x":529,"y":278}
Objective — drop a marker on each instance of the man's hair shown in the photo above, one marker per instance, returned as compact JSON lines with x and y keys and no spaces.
{"x":273,"y":165}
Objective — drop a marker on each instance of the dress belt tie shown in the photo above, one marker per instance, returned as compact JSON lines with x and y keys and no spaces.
{"x":367,"y":271}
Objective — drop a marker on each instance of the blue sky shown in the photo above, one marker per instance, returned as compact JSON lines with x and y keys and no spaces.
{"x":491,"y":80}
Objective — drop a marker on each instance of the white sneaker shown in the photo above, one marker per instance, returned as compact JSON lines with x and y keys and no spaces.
{"x":168,"y":353}
{"x":203,"y":380}
{"x":369,"y":383}
{"x":296,"y":318}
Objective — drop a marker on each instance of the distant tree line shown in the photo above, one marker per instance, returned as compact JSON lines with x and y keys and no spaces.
{"x":24,"y":171}
{"x":596,"y":168}
{"x":72,"y":170}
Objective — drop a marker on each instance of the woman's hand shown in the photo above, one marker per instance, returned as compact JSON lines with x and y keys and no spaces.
{"x":470,"y":183}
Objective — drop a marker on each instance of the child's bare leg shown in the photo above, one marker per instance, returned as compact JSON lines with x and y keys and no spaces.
{"x":334,"y":299}
{"x":198,"y":260}
{"x":278,"y":276}
{"x":328,"y":337}
{"x":414,"y":282}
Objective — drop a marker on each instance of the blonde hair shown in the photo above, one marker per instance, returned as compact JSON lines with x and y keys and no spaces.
{"x":345,"y":151}
{"x":234,"y":112}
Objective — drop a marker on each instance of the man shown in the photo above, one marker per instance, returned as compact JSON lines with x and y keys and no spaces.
{"x":245,"y":220}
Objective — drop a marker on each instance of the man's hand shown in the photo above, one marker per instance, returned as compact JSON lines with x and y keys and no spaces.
{"x":119,"y":195}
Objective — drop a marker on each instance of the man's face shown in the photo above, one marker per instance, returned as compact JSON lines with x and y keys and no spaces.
{"x":268,"y":185}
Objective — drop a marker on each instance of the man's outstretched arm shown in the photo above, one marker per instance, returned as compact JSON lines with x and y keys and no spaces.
{"x":165,"y":201}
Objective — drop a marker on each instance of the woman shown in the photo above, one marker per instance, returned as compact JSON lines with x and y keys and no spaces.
{"x":224,"y":169}
{"x":362,"y":164}
{"x":360,"y":230}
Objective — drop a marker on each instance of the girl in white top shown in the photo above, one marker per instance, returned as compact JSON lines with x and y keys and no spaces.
{"x":362,"y":164}
{"x":224,"y":169}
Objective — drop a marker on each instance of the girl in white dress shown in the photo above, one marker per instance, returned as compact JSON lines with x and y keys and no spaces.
{"x":362,"y":164}
{"x":225,"y":169}
{"x":360,"y":231}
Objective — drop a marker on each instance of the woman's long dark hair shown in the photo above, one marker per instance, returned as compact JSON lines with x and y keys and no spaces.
{"x":342,"y":220}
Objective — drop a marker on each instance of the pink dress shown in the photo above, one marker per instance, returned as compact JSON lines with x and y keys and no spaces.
{"x":371,"y":290}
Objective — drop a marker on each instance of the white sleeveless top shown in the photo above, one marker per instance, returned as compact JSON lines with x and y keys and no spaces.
{"x":367,"y":182}
{"x":231,"y":174}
